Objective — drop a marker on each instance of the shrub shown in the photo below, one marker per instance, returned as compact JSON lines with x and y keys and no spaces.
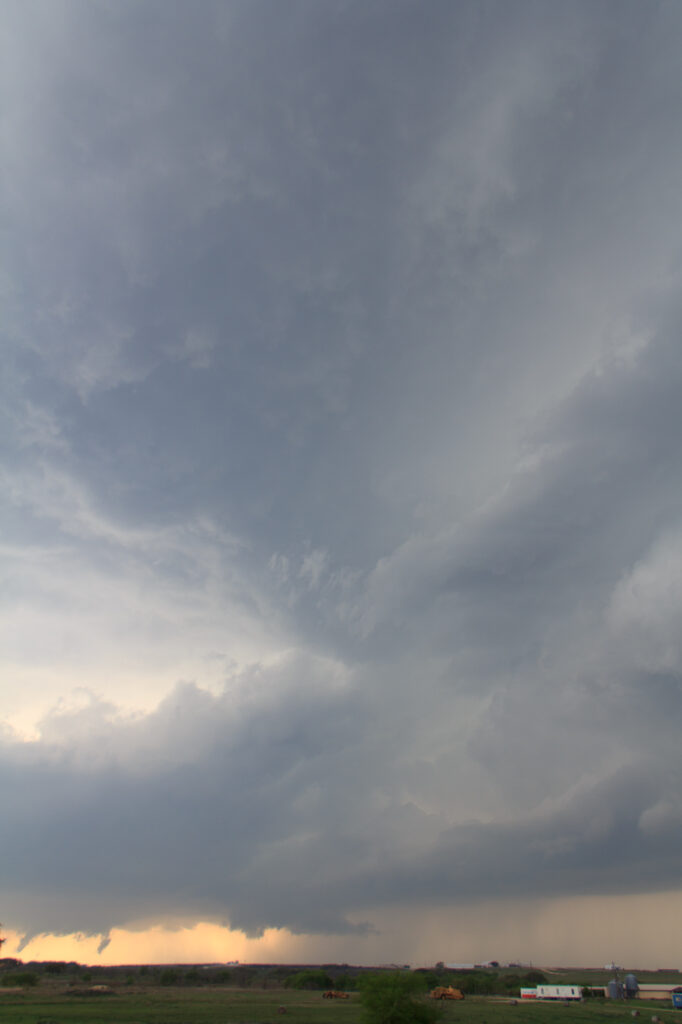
{"x":309,"y":979}
{"x":392,"y":997}
{"x":24,"y":978}
{"x":477,"y":983}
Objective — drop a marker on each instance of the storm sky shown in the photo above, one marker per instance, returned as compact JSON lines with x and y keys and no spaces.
{"x":341,"y":409}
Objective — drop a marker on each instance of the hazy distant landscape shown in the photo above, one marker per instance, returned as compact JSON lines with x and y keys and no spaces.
{"x":69,"y":993}
{"x":479,"y":980}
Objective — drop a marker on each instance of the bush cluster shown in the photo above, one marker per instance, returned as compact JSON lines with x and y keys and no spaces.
{"x":483,"y":982}
{"x":309,"y":979}
{"x":23,"y":978}
{"x":393,"y":997}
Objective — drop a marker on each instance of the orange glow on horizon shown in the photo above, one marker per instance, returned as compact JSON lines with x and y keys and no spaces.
{"x":638,"y":930}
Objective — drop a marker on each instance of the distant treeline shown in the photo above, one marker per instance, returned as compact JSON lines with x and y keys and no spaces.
{"x":342,"y":977}
{"x":483,"y":982}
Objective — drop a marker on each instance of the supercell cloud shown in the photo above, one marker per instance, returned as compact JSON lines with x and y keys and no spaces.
{"x":341,"y":475}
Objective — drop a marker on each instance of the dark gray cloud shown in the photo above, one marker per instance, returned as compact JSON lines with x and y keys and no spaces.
{"x":342,"y":383}
{"x":287,"y":807}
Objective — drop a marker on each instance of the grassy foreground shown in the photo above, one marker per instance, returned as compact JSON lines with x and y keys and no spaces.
{"x":131,"y":1005}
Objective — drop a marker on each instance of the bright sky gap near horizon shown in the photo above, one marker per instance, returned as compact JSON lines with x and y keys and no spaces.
{"x":341,"y":536}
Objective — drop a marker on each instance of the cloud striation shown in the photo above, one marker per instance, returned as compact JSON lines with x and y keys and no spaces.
{"x":342,"y":507}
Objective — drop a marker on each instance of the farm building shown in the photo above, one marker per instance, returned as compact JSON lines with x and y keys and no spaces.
{"x":656,"y":991}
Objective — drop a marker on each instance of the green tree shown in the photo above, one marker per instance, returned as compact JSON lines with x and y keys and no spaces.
{"x":431,"y":979}
{"x":393,"y":997}
{"x":25,"y":978}
{"x":309,"y":979}
{"x":534,"y":978}
{"x":54,"y":967}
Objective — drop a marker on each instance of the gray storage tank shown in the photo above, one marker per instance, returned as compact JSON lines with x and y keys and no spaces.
{"x":614,"y":990}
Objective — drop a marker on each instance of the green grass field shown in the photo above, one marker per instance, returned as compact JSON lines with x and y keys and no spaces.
{"x":208,"y":1005}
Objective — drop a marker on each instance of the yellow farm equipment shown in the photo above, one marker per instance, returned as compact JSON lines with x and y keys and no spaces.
{"x":446,"y":992}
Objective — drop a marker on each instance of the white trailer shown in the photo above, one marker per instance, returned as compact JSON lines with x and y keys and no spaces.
{"x":559,"y":992}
